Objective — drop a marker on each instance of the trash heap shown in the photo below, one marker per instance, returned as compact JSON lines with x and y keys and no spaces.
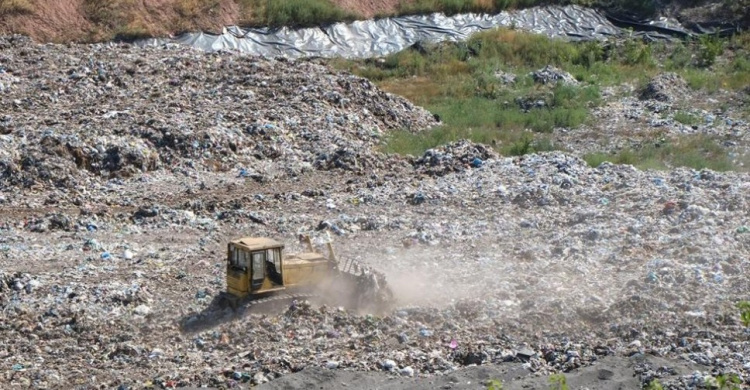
{"x":126,"y":171}
{"x":665,"y":87}
{"x":115,"y":111}
{"x":455,"y":157}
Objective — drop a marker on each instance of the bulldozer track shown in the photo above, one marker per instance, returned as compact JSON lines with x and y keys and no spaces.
{"x":278,"y":299}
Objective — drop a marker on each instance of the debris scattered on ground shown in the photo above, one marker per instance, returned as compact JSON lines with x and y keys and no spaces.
{"x":126,"y":171}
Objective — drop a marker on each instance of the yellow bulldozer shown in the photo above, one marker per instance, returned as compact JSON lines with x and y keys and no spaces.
{"x":258,"y":270}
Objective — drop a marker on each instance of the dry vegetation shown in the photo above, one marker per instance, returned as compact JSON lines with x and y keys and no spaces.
{"x":96,"y":20}
{"x":10,"y":7}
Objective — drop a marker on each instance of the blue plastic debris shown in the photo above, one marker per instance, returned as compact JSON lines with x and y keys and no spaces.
{"x":418,"y":198}
{"x":106,"y":256}
{"x":202,"y":293}
{"x":244,"y":173}
{"x":425,"y":332}
{"x":477,"y":162}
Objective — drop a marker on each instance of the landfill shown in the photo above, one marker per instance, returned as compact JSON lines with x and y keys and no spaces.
{"x":124,"y":172}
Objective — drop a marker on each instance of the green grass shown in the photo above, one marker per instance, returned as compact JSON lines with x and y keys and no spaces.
{"x":686,"y":118}
{"x":451,"y":7}
{"x":458,"y":82}
{"x":495,"y":384}
{"x":744,"y":307}
{"x":558,"y":382}
{"x":697,"y":152}
{"x":295,"y":13}
{"x":655,"y":385}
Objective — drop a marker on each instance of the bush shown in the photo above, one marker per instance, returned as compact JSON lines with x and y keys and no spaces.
{"x":638,"y":53}
{"x":686,"y":118}
{"x":589,"y":54}
{"x":304,"y":13}
{"x":10,"y":7}
{"x":680,"y":58}
{"x":711,"y":46}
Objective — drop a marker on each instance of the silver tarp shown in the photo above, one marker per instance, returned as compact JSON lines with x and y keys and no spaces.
{"x":380,"y":37}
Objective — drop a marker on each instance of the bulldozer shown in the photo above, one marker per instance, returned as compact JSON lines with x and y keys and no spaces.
{"x":258,"y":270}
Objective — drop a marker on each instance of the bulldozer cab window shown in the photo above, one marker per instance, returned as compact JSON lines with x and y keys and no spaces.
{"x":237,"y":258}
{"x":273,"y":263}
{"x":259,"y":268}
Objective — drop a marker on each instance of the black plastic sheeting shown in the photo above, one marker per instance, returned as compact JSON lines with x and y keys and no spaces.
{"x":375,"y":38}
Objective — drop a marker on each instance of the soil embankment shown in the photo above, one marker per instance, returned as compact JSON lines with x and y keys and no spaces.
{"x":93,"y":20}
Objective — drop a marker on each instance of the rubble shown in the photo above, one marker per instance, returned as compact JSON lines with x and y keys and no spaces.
{"x":303,"y":114}
{"x":665,"y":87}
{"x":552,"y":75}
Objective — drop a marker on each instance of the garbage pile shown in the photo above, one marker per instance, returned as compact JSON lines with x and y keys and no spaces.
{"x":116,"y":111}
{"x":665,"y":87}
{"x":539,"y":259}
{"x":552,"y":75}
{"x":454,"y":157}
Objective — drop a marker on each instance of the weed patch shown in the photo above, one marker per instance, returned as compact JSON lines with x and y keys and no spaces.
{"x":697,"y":152}
{"x":466,"y":85}
{"x":686,"y":118}
{"x":293,"y":13}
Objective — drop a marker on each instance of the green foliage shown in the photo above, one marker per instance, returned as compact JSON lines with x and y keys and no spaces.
{"x":589,"y":54}
{"x":741,"y":64}
{"x":744,"y":307}
{"x":304,"y":13}
{"x":655,"y":385}
{"x":558,"y":382}
{"x":697,"y":152}
{"x":596,"y":159}
{"x":460,"y":83}
{"x":680,"y":58}
{"x":724,"y":382}
{"x":686,"y":118}
{"x":636,"y":52}
{"x":495,"y":384}
{"x":452,"y":7}
{"x":521,"y":147}
{"x":711,"y":46}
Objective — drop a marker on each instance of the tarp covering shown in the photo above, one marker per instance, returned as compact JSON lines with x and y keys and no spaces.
{"x":375,"y":38}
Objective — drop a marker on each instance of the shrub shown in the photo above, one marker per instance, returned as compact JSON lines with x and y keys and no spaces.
{"x":686,"y":118}
{"x":680,"y":58}
{"x":304,"y":13}
{"x":10,"y":7}
{"x":744,"y":307}
{"x":711,"y":46}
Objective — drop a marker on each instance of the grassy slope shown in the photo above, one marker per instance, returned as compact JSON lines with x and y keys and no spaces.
{"x":460,"y":83}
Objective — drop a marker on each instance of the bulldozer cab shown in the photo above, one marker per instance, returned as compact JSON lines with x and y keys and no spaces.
{"x":254,"y":265}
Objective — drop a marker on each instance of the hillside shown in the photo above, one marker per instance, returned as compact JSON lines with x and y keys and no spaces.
{"x":97,"y":20}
